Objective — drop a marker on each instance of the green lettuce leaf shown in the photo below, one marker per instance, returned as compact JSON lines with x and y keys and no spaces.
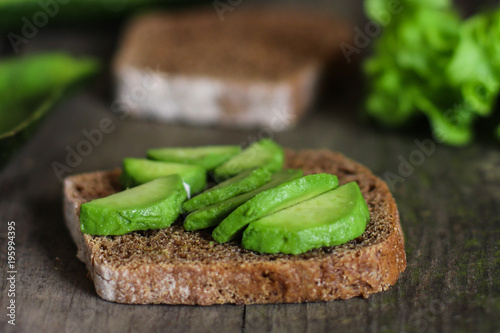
{"x":428,"y":61}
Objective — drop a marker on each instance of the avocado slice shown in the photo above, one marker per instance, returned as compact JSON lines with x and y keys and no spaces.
{"x":332,"y":218}
{"x":137,"y":171}
{"x":212,"y":215}
{"x":273,"y":200}
{"x":264,"y":153}
{"x":208,"y":157}
{"x":245,"y":182}
{"x":153,"y":205}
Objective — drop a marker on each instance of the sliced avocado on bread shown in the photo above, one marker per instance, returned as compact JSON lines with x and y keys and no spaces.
{"x":137,"y":171}
{"x":273,"y":200}
{"x":330,"y":219}
{"x":264,"y":153}
{"x":212,"y":215}
{"x":153,"y":205}
{"x":143,"y":267}
{"x":246,"y":181}
{"x":208,"y":157}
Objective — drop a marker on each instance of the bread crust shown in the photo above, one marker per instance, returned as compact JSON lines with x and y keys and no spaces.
{"x":173,"y":266}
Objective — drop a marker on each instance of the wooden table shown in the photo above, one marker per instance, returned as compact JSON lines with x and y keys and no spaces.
{"x":449,"y":206}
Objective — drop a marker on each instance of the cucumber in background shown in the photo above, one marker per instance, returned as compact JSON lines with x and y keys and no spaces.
{"x":30,"y":87}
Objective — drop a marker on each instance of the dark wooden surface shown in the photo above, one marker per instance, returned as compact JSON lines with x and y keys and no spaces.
{"x":449,"y":206}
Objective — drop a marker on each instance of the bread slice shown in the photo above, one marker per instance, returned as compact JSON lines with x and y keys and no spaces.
{"x":174,"y":266}
{"x":255,"y":68}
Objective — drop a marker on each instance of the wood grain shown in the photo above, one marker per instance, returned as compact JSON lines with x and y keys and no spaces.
{"x":449,"y":207}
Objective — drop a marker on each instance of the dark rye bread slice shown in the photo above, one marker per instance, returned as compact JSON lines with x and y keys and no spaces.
{"x":249,"y":44}
{"x":254,"y":68}
{"x":173,"y":266}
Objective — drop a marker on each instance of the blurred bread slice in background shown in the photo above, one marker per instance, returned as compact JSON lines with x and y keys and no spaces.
{"x":252,"y":69}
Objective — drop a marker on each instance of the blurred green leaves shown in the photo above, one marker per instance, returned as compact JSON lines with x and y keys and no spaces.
{"x":15,"y":13}
{"x":430,"y":61}
{"x":30,"y":87}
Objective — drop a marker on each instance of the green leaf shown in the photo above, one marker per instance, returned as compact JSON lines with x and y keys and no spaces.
{"x":29,"y":88}
{"x":429,"y":62}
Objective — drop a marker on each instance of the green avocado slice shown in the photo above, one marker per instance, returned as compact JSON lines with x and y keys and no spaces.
{"x":211,"y":216}
{"x":273,"y":200}
{"x":208,"y":157}
{"x":332,"y":218}
{"x":137,"y":171}
{"x":153,"y":205}
{"x":245,"y":182}
{"x":264,"y":153}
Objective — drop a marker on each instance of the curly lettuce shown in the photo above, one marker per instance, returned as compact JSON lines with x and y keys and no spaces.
{"x":430,"y":61}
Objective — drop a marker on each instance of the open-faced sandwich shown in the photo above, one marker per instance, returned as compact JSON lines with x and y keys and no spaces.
{"x":272,"y":226}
